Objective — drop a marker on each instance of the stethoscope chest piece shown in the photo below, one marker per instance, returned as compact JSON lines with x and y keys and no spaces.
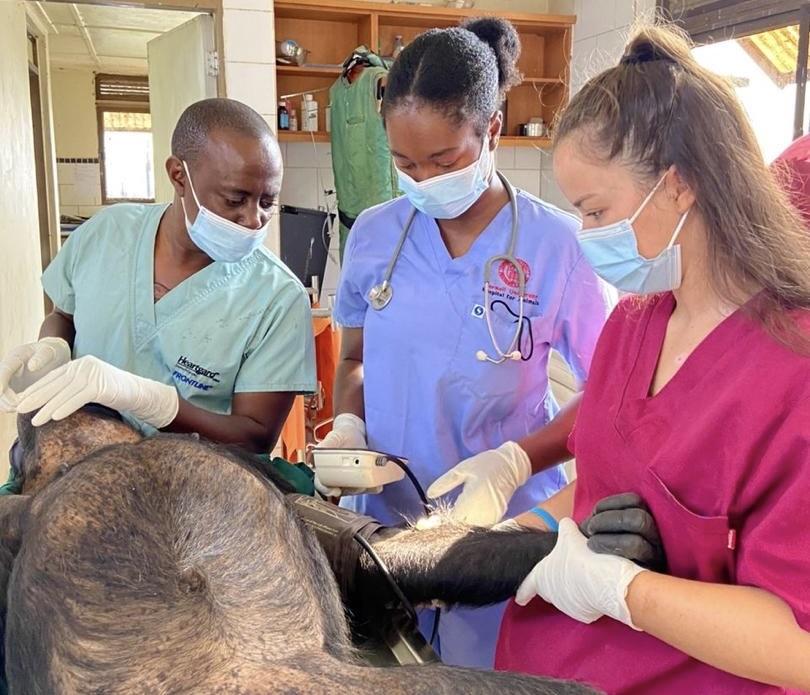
{"x":380,"y":295}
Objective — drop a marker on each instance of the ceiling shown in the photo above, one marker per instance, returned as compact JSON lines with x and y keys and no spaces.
{"x":104,"y":39}
{"x":776,"y":52}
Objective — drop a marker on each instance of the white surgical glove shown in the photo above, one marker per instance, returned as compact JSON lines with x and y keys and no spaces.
{"x":348,"y":432}
{"x":90,"y":380}
{"x":490,"y":479}
{"x":26,"y":364}
{"x":579,"y":582}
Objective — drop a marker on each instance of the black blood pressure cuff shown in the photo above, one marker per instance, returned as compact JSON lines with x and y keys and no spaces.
{"x":335,"y":529}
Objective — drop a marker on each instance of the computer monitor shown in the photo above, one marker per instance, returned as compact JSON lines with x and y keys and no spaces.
{"x":304,"y":242}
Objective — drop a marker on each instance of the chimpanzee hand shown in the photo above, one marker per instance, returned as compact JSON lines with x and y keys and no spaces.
{"x":622,"y":525}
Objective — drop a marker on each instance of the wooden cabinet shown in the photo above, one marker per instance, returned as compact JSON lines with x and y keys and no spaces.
{"x":330,"y":30}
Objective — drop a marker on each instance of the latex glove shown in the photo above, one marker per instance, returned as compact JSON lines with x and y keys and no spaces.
{"x":90,"y":380}
{"x":622,"y":525}
{"x":490,"y":479}
{"x":26,"y":364}
{"x":348,"y":432}
{"x":579,"y":582}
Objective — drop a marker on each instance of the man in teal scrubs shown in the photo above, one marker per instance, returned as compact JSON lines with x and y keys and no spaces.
{"x":177,"y":315}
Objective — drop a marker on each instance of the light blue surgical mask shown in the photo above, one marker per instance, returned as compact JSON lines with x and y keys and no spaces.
{"x":612,"y":251}
{"x":447,"y":196}
{"x":218,"y":238}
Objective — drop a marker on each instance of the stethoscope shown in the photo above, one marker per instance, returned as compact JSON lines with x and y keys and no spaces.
{"x":381,"y":294}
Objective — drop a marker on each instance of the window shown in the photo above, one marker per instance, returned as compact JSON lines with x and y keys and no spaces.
{"x":125,"y":138}
{"x":762,"y":68}
{"x":762,"y":47}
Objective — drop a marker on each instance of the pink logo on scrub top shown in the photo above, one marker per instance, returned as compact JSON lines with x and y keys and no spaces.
{"x":509,"y":275}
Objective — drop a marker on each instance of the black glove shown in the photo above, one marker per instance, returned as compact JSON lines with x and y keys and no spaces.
{"x":622,"y":525}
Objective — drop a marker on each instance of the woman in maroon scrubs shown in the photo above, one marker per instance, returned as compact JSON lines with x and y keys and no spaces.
{"x":698,"y":397}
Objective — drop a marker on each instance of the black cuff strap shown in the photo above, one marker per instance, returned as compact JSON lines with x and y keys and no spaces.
{"x":335,"y":529}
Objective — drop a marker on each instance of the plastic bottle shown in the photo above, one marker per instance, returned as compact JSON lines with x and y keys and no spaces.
{"x":309,"y":114}
{"x":283,"y":116}
{"x":293,"y":120}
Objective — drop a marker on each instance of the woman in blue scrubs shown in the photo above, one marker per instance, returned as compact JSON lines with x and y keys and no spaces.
{"x":411,"y":380}
{"x":176,"y":315}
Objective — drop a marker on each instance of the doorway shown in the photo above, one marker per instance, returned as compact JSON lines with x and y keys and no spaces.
{"x":40,"y":166}
{"x":119,"y":79}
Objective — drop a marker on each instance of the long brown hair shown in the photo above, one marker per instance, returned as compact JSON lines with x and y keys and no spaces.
{"x":657,"y":108}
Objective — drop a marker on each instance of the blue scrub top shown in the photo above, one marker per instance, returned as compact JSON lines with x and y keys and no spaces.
{"x":229,"y":328}
{"x":427,"y":397}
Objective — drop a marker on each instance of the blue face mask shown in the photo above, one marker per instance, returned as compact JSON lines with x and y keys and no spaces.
{"x":218,"y":238}
{"x":612,"y":251}
{"x":447,"y":196}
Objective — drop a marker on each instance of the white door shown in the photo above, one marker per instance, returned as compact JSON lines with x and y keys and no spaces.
{"x":180,"y":73}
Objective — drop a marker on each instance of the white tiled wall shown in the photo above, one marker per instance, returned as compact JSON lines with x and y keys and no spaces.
{"x":250,"y":70}
{"x":78,"y":200}
{"x":307,"y":174}
{"x":601,"y":32}
{"x":529,"y":168}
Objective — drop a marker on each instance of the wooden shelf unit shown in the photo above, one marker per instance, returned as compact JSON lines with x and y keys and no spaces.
{"x":331,"y":29}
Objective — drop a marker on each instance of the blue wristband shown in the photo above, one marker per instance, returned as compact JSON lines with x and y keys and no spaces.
{"x":551,"y":522}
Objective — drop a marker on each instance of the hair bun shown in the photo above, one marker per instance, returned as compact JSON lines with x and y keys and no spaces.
{"x":644,"y":52}
{"x":504,"y":41}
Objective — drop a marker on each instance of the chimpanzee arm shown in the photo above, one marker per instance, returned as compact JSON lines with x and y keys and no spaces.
{"x":448,"y":562}
{"x":453,"y":563}
{"x":459,"y":564}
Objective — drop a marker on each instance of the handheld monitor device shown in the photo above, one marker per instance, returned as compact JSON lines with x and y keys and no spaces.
{"x":355,"y":468}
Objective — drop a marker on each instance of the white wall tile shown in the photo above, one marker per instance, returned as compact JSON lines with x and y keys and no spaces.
{"x":273,"y":239}
{"x":252,"y":84}
{"x":505,"y":158}
{"x":326,"y":182}
{"x":582,"y":63}
{"x":64,"y":173}
{"x":624,"y":13}
{"x":645,"y":9}
{"x":550,"y":192}
{"x":593,"y":17}
{"x":306,"y":155}
{"x":300,"y":188}
{"x":91,"y":194}
{"x":67,"y":194}
{"x":527,"y":158}
{"x":610,"y":46}
{"x":88,"y":210}
{"x":562,"y":7}
{"x":69,"y":210}
{"x":264,"y":5}
{"x":546,"y":159}
{"x":525,"y":179}
{"x":246,"y":37}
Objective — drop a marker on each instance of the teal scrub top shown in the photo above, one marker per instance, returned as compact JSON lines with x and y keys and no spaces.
{"x":229,"y":328}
